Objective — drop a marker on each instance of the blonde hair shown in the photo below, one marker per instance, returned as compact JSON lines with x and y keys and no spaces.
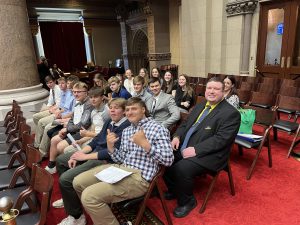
{"x":80,"y":85}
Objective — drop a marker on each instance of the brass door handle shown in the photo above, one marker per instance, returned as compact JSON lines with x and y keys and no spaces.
{"x":282,"y":62}
{"x":288,"y":62}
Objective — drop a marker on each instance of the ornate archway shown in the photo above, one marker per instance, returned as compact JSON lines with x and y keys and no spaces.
{"x":139,"y":50}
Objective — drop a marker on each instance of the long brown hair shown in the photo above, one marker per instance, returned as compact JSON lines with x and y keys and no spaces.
{"x":188,"y":90}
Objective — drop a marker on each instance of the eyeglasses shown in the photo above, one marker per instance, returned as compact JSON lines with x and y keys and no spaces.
{"x":76,"y":92}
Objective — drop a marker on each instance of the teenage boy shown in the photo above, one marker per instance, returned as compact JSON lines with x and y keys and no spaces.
{"x":99,"y":116}
{"x":53,"y":100}
{"x":162,"y":106}
{"x":80,"y":118}
{"x":65,"y":110}
{"x":144,"y":146}
{"x":139,"y":90}
{"x":92,"y":155}
{"x":117,"y":90}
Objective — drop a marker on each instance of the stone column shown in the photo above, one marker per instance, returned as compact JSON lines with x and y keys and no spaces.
{"x":34,"y":26}
{"x":19,"y":77}
{"x":89,"y":32}
{"x":158,"y":33}
{"x":246,"y":9}
{"x":122,"y":15}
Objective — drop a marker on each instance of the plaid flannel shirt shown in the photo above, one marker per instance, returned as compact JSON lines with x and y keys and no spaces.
{"x":133,"y":156}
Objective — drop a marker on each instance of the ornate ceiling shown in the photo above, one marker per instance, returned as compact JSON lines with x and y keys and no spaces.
{"x":92,"y":9}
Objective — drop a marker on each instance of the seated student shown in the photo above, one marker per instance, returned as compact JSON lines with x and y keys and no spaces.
{"x":202,"y":143}
{"x":144,"y":73}
{"x":81,"y":118}
{"x":144,"y":146}
{"x":184,"y":96}
{"x":53,"y":100}
{"x":117,"y":90}
{"x":230,"y":93}
{"x":139,"y":90}
{"x":99,"y":116}
{"x":156,"y":73}
{"x":58,"y":124}
{"x":92,"y":155}
{"x":169,"y":85}
{"x":128,"y":82}
{"x":162,"y":106}
{"x":99,"y":81}
{"x":65,"y":110}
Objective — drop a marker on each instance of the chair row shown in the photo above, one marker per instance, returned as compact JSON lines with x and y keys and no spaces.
{"x":21,"y":176}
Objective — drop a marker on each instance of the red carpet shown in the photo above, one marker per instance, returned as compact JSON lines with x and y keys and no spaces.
{"x":270,"y":197}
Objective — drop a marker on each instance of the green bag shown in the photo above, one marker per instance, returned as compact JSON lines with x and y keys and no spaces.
{"x":247,"y":120}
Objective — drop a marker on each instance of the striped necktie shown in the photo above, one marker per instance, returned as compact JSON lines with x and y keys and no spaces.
{"x":193,"y":128}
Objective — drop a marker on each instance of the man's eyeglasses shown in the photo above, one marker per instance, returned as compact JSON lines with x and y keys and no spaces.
{"x":76,"y":92}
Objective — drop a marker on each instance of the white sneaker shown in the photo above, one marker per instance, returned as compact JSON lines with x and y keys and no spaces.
{"x":70,"y":220}
{"x":58,"y":203}
{"x":51,"y":170}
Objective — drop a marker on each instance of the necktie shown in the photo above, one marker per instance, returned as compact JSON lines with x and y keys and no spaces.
{"x":153,"y":106}
{"x":192,"y":129}
{"x":53,"y":94}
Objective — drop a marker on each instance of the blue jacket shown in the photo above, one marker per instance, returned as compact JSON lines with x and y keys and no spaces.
{"x":123,"y":93}
{"x":99,"y":144}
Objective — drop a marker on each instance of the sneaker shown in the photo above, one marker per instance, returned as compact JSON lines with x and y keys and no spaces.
{"x":51,"y":170}
{"x":58,"y":203}
{"x":70,"y":220}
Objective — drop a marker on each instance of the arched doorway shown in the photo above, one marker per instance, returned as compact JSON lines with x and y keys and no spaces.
{"x":139,"y":51}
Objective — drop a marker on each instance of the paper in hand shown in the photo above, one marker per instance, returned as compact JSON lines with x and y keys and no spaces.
{"x":73,"y":141}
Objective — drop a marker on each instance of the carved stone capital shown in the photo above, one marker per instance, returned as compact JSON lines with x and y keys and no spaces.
{"x":240,"y":7}
{"x":159,"y":56}
{"x":147,"y":8}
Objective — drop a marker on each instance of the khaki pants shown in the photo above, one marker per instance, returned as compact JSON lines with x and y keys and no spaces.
{"x":42,"y":123}
{"x":96,"y":196}
{"x":45,"y":141}
{"x":37,"y":116}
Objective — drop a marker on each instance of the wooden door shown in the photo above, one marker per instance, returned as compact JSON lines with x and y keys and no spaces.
{"x":278,"y":52}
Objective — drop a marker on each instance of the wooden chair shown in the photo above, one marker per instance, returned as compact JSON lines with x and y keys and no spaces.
{"x":215,"y":176}
{"x":12,"y":141}
{"x":268,"y":88}
{"x":12,"y":177}
{"x":10,"y":114}
{"x":288,"y":105}
{"x":244,"y":96}
{"x":289,"y":91}
{"x":262,"y":100}
{"x":245,"y":86}
{"x":42,"y":183}
{"x":11,"y":122}
{"x":155,"y":183}
{"x":199,"y":90}
{"x":265,"y":119}
{"x":8,"y":161}
{"x":32,"y":156}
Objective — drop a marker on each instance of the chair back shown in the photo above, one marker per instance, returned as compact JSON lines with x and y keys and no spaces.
{"x":287,"y":102}
{"x":42,"y":183}
{"x":32,"y":156}
{"x":263,"y":100}
{"x":27,"y":139}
